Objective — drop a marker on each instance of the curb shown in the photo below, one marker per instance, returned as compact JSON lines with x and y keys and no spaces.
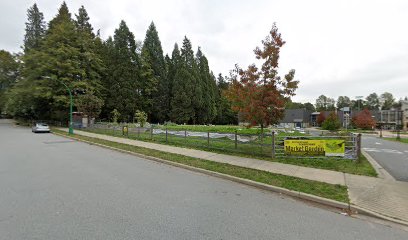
{"x":382,"y":173}
{"x":263,"y":186}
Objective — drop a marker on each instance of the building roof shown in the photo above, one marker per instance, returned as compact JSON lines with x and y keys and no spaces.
{"x":296,"y":115}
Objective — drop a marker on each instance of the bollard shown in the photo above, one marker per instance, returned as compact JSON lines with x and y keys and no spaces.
{"x":151,"y":132}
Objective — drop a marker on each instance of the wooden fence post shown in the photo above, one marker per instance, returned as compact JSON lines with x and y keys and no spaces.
{"x":273,"y":144}
{"x":166,"y":134}
{"x":358,"y":147}
{"x":236,"y":140}
{"x":208,"y":139}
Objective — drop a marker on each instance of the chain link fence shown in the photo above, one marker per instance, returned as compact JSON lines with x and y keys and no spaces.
{"x":261,"y":145}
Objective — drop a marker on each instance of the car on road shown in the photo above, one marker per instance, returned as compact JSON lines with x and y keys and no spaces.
{"x":41,"y":128}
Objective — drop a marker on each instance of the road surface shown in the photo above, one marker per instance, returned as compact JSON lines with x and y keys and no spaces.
{"x":392,"y":156}
{"x":55,"y":188}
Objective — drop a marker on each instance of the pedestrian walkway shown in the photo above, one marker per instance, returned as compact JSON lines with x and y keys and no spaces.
{"x":386,"y":197}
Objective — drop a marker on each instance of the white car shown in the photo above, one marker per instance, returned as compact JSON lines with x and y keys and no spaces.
{"x":40,"y":128}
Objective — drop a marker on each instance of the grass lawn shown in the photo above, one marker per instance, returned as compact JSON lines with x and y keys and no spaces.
{"x":211,"y":128}
{"x":325,"y":190}
{"x":252,"y":150}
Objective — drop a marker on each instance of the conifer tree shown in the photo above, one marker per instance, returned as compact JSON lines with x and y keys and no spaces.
{"x":35,"y":28}
{"x":124,"y":85}
{"x":189,"y":63}
{"x":182,"y":109}
{"x":56,"y":61}
{"x":207,"y":112}
{"x":225,"y":115}
{"x":157,"y":84}
{"x":82,"y":22}
{"x":90,"y":60}
{"x":148,"y":83}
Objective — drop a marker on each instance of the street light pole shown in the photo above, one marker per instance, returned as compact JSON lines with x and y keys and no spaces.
{"x":70,"y":127}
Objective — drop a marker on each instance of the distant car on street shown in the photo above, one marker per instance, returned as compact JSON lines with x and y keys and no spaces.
{"x":41,"y":128}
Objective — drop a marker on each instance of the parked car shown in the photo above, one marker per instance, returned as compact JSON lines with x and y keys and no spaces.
{"x":40,"y":127}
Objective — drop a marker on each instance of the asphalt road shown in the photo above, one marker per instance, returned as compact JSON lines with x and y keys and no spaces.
{"x":392,"y":156}
{"x":54,"y":188}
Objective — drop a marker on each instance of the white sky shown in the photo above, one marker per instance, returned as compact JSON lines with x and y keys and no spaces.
{"x":347,"y":47}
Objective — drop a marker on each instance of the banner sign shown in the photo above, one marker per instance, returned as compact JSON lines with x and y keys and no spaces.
{"x":327,"y":147}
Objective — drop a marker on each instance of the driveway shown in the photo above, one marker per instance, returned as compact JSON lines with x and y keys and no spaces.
{"x":392,"y":156}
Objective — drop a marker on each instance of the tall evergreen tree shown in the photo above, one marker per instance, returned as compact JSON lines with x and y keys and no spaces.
{"x":106,"y":50}
{"x":207,"y":112}
{"x":148,"y":83}
{"x":90,"y":59}
{"x":173,"y":65}
{"x":58,"y":60}
{"x":35,"y":28}
{"x":190,"y":64}
{"x":82,"y":22}
{"x":182,"y":108}
{"x":225,"y":115}
{"x":157,"y":85}
{"x":124,"y":85}
{"x":9,"y":72}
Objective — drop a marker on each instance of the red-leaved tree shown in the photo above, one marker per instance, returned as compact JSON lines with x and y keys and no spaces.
{"x":364,"y":120}
{"x":320,"y":118}
{"x":260,"y":94}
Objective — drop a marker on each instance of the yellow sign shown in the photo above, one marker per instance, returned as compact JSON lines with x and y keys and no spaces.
{"x":125,"y":130}
{"x":334,"y":147}
{"x":327,"y":147}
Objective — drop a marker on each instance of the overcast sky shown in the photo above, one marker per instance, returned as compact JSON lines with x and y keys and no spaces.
{"x":340,"y":47}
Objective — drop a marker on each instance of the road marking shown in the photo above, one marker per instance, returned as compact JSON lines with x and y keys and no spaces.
{"x":378,"y":143}
{"x":372,"y":150}
{"x":384,"y":150}
{"x":391,"y":151}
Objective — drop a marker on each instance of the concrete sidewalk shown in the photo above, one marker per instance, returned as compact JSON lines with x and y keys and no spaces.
{"x":383,"y":196}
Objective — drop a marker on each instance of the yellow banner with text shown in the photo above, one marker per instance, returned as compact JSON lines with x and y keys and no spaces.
{"x":326,"y":147}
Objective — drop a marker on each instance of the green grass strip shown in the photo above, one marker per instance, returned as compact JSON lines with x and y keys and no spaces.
{"x":401,"y":140}
{"x":325,"y":190}
{"x":363,"y":167}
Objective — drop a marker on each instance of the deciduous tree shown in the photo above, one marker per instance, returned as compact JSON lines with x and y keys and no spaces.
{"x":388,"y":101}
{"x":259,"y":93}
{"x":364,"y":120}
{"x":324,"y":103}
{"x":321,"y":118}
{"x":373,"y":101}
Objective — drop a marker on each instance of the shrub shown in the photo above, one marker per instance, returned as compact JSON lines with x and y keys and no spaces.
{"x":115,"y":115}
{"x":331,"y":123}
{"x":141,"y":117}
